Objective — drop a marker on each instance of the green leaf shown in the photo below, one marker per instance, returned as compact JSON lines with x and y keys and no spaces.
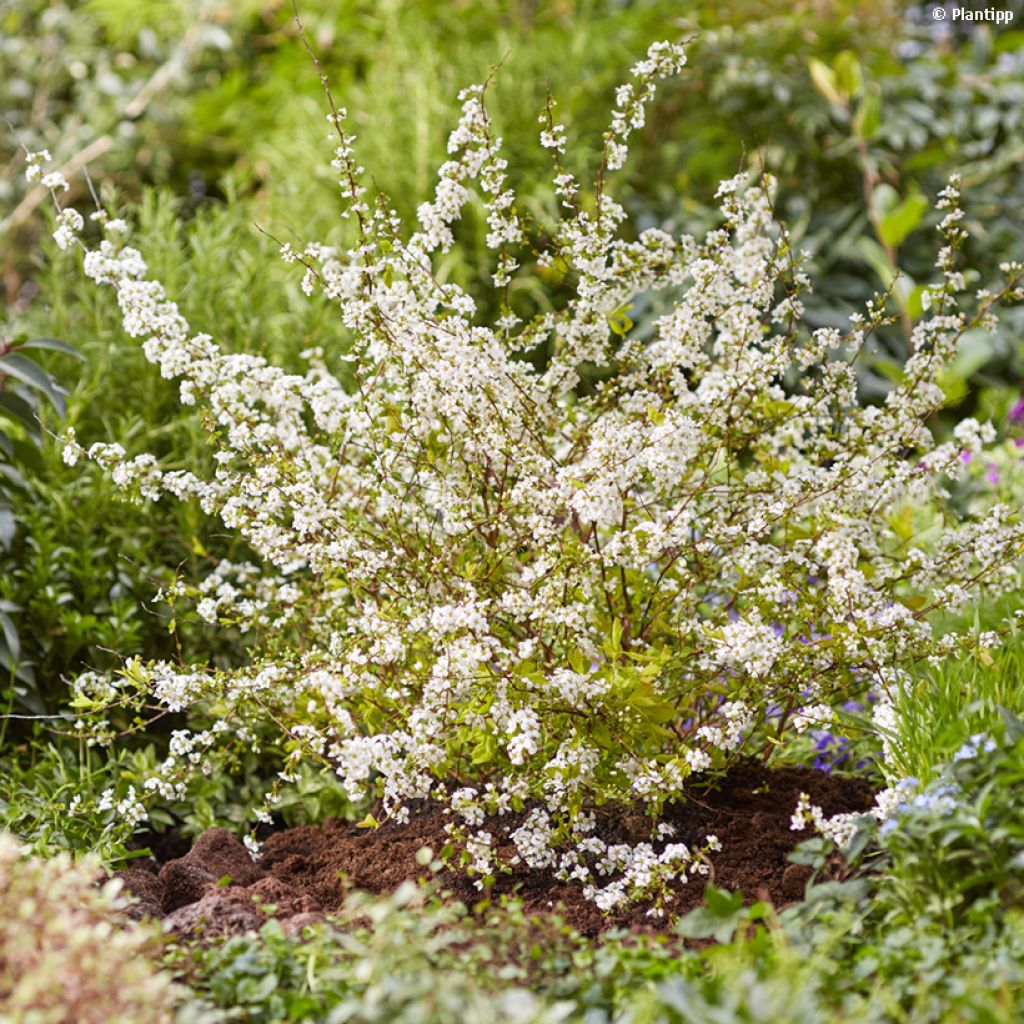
{"x":51,"y":343}
{"x":719,"y":918}
{"x":368,"y":822}
{"x":485,"y":750}
{"x":824,"y":80}
{"x":779,"y":407}
{"x":657,"y":711}
{"x":612,"y":645}
{"x":82,"y":702}
{"x":913,"y":304}
{"x":619,"y":322}
{"x":373,"y":717}
{"x":602,"y":735}
{"x":877,"y":258}
{"x":28,"y":372}
{"x":896,"y":218}
{"x":974,"y":349}
{"x":16,"y":407}
{"x":1014,"y":726}
{"x":10,"y":634}
{"x":12,"y":475}
{"x":841,"y":892}
{"x":7,"y":526}
{"x":848,"y":75}
{"x":721,"y":902}
{"x":903,"y":522}
{"x":868,"y":118}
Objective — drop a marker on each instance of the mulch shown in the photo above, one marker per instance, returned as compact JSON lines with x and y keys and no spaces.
{"x":304,"y":873}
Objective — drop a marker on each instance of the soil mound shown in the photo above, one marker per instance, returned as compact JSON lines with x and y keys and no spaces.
{"x":217,"y":889}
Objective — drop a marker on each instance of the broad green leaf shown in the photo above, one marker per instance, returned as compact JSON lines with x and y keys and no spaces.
{"x":914,"y":306}
{"x":824,"y":80}
{"x":657,"y":711}
{"x":719,"y":918}
{"x":903,"y":522}
{"x":373,"y":717}
{"x":485,"y":750}
{"x":613,"y":643}
{"x":10,"y":635}
{"x":848,"y":75}
{"x":884,"y":199}
{"x":902,"y":289}
{"x":7,"y":526}
{"x":28,"y":372}
{"x":974,"y":349}
{"x":619,"y":322}
{"x":779,"y":407}
{"x":721,"y":902}
{"x":12,"y":475}
{"x":1014,"y":726}
{"x":888,"y":368}
{"x":16,"y":406}
{"x":868,"y":118}
{"x":897,"y":220}
{"x":51,"y":343}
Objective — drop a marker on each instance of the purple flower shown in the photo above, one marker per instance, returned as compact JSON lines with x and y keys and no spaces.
{"x":992,"y":473}
{"x":965,"y":458}
{"x":1016,"y":414}
{"x":832,"y":750}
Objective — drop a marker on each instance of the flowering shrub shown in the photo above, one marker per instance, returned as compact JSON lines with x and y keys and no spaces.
{"x":65,"y":953}
{"x":486,"y":583}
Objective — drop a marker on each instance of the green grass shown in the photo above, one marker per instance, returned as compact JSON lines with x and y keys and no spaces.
{"x":945,"y":705}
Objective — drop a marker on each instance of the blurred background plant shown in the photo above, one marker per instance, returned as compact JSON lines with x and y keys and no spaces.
{"x":24,"y":384}
{"x":65,"y":954}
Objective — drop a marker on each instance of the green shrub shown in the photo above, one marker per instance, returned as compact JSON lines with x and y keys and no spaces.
{"x":487,"y":568}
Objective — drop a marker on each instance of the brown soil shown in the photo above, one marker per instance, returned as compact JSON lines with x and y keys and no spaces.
{"x":216,"y":888}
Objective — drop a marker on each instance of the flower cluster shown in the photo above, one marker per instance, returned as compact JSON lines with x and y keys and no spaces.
{"x":559,"y":596}
{"x":905,"y":797}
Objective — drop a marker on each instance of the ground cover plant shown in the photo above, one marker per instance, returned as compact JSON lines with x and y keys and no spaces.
{"x":552,"y":562}
{"x":64,"y":953}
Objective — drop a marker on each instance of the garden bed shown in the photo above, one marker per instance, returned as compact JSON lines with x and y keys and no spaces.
{"x":304,"y":872}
